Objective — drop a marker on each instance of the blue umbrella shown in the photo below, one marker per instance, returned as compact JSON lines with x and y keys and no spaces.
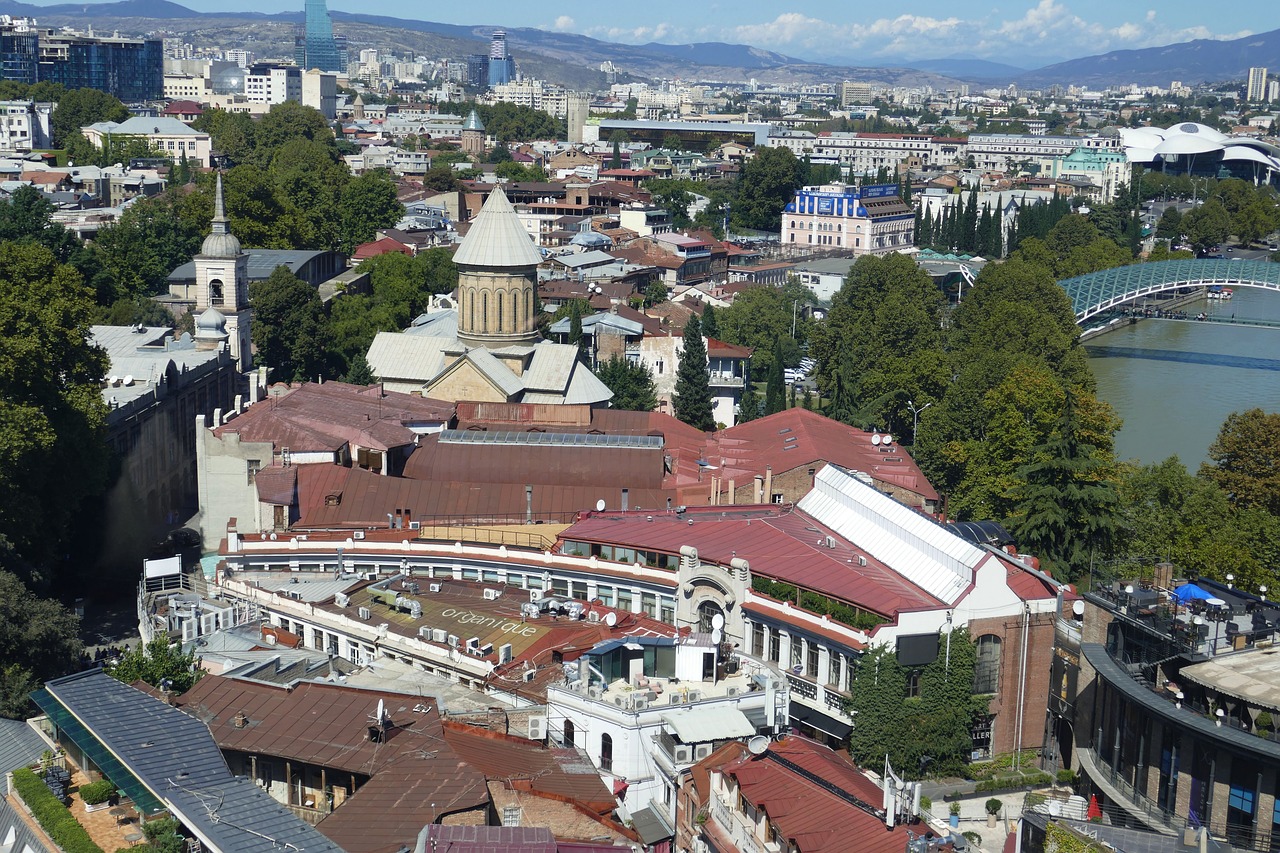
{"x":1189,"y":592}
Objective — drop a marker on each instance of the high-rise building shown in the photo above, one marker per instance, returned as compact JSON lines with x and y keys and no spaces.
{"x":317,"y":47}
{"x":1257,"y":89}
{"x":1273,"y":91}
{"x":478,"y":70}
{"x":130,"y":69}
{"x":502,"y":68}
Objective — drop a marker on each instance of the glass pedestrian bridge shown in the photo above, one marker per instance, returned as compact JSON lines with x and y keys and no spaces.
{"x":1100,"y":291}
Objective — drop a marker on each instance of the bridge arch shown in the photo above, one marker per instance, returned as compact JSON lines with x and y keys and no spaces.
{"x":1100,"y":291}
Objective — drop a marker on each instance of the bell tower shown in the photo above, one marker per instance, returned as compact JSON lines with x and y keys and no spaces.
{"x":222,"y":282}
{"x":497,"y":273}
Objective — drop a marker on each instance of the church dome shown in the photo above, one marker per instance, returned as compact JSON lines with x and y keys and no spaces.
{"x":211,"y":324}
{"x":220,"y":243}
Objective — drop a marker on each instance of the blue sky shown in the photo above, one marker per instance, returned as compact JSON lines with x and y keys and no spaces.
{"x":1023,"y":32}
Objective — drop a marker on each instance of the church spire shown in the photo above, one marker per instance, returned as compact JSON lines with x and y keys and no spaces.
{"x":221,"y":225}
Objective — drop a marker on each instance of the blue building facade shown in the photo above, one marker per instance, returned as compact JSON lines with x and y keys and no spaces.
{"x":130,"y":69}
{"x":318,"y":48}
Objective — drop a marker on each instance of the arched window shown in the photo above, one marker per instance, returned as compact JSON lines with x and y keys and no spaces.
{"x":502,"y":312}
{"x":215,"y":291}
{"x":606,"y":753}
{"x":484,"y":312}
{"x":568,"y":732}
{"x":707,"y":613}
{"x":515,"y":311}
{"x":986,"y":669}
{"x":472,"y":308}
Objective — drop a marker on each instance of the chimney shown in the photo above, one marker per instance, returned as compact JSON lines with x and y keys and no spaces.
{"x":240,"y":720}
{"x":733,"y":493}
{"x":759,"y":488}
{"x":528,"y":504}
{"x":768,"y":483}
{"x":626,"y":499}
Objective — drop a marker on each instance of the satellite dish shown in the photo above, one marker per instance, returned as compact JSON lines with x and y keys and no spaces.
{"x":875,"y":439}
{"x":611,"y":619}
{"x":887,"y":440}
{"x":758,"y":745}
{"x":717,"y":621}
{"x":1077,"y":607}
{"x":600,"y":505}
{"x":716,"y":636}
{"x":382,"y":710}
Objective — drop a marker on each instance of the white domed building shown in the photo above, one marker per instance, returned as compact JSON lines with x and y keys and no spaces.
{"x":1197,"y":149}
{"x":222,"y":286}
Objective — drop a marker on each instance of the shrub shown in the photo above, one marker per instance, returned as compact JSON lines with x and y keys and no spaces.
{"x":926,"y":803}
{"x":52,"y":814}
{"x":973,"y":838}
{"x":955,"y":807}
{"x":994,"y":806}
{"x":1066,"y":776}
{"x":96,"y":793}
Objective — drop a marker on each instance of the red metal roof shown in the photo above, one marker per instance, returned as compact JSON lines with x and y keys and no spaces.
{"x":784,"y":544}
{"x":809,"y":814}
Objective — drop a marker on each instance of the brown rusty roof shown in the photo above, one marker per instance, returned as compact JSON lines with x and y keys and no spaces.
{"x":559,"y":772}
{"x":624,"y":467}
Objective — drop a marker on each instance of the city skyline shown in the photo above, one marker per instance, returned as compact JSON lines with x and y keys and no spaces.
{"x":1028,"y":34}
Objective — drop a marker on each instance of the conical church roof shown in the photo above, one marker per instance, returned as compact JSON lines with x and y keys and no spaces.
{"x":497,"y":239}
{"x":473,"y":122}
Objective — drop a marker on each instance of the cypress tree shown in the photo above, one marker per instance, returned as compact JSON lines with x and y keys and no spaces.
{"x":969,"y":224}
{"x":749,"y":405}
{"x":693,"y":403}
{"x":710,"y":327}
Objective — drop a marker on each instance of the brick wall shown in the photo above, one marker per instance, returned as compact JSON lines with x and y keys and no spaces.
{"x":1035,"y":694}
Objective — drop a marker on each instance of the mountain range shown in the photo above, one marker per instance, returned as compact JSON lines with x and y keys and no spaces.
{"x":574,"y":59}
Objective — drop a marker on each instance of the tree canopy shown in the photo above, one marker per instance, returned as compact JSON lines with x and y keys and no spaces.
{"x":158,"y":664}
{"x":1244,"y":460}
{"x":693,"y":401}
{"x":631,"y":383}
{"x":39,"y":640}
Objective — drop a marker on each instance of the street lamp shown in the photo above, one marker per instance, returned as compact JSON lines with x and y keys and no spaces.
{"x":915,"y":418}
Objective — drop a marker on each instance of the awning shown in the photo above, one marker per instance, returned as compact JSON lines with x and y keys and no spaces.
{"x":820,"y":721}
{"x":651,"y":826}
{"x":1189,"y":592}
{"x":111,"y":767}
{"x":704,"y":724}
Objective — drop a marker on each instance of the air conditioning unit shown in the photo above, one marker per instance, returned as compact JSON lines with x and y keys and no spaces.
{"x":535,"y":595}
{"x":412,"y":586}
{"x":454,"y":641}
{"x":733,"y":691}
{"x":695,"y":695}
{"x":620,"y":700}
{"x":359,"y":534}
{"x":702,"y":751}
{"x":504,"y":653}
{"x":363,"y":613}
{"x":473,"y":643}
{"x":639,"y":703}
{"x":862,"y":561}
{"x":439,"y":635}
{"x":492,"y":594}
{"x":341,"y":599}
{"x":676,"y":698}
{"x":435,"y":587}
{"x":537,"y":728}
{"x":593,"y":616}
{"x":684,"y":754}
{"x":382,"y":630}
{"x":424,"y":632}
{"x":530,"y":674}
{"x":415,"y":525}
{"x":595,"y":691}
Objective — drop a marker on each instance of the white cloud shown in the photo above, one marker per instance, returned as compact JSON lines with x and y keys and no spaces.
{"x":1047,"y":27}
{"x":564,"y":24}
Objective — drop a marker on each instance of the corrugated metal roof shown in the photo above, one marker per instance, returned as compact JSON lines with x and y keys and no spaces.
{"x":490,"y":839}
{"x":918,"y":548}
{"x":585,"y":387}
{"x":697,"y":724}
{"x":20,"y":746}
{"x":495,"y":371}
{"x":551,"y":367}
{"x":416,"y":358}
{"x":175,"y":757}
{"x":15,"y":835}
{"x":497,"y":238}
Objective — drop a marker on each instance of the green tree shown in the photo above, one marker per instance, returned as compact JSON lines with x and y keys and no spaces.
{"x":910,"y":715}
{"x":365,"y":204}
{"x":147,"y":242}
{"x":775,"y":388}
{"x":289,"y":331}
{"x":158,"y":662}
{"x":1244,"y":460}
{"x":1068,"y":508}
{"x":692,"y":401}
{"x":82,"y":107}
{"x":655,"y":294}
{"x":749,"y":405}
{"x":1207,"y":225}
{"x":710,"y":326}
{"x":441,"y":179}
{"x":615,"y":161}
{"x":631,"y":383}
{"x":769,"y":181}
{"x":52,"y":416}
{"x":359,"y":372}
{"x":1170,"y":225}
{"x":285,"y":122}
{"x":39,"y":640}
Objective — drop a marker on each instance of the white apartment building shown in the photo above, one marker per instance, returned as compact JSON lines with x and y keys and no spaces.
{"x":173,"y":137}
{"x":320,"y":91}
{"x":24,"y":125}
{"x":273,"y":84}
{"x":867,"y":153}
{"x":187,"y":87}
{"x":996,"y":151}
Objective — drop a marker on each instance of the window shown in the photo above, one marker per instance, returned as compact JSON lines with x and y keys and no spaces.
{"x":811,"y":660}
{"x":757,"y":640}
{"x":913,"y":684}
{"x":986,"y":669}
{"x":775,"y":646}
{"x":568,"y":732}
{"x":254,"y":466}
{"x":606,"y":753}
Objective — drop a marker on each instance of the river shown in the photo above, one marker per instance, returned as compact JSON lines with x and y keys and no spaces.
{"x":1174,"y":382}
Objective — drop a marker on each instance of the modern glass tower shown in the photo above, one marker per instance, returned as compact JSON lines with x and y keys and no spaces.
{"x":318,"y":48}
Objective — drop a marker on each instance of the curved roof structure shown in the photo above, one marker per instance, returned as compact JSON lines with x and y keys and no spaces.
{"x":1096,"y":292}
{"x":497,"y":239}
{"x":1188,"y":138}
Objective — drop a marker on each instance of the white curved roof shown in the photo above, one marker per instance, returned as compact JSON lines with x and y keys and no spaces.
{"x":497,"y":239}
{"x":1141,"y":137}
{"x":1186,"y":144}
{"x":1244,"y":152}
{"x":1192,"y":128}
{"x":1141,"y":155}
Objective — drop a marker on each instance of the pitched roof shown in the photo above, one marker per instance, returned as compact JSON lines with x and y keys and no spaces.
{"x":20,"y":746}
{"x":159,"y":745}
{"x":496,"y":238}
{"x":806,"y":790}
